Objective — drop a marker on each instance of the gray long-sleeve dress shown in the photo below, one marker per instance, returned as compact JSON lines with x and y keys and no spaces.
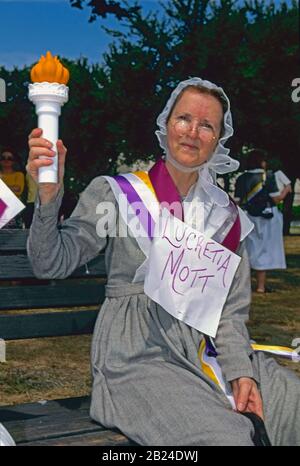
{"x":147,"y":378}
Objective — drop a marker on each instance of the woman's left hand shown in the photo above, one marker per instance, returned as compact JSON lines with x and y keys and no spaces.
{"x":246,"y":396}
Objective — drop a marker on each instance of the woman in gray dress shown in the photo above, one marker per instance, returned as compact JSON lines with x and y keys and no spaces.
{"x":148,"y":380}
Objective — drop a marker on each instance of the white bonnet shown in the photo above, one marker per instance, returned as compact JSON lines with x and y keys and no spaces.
{"x":219,"y":162}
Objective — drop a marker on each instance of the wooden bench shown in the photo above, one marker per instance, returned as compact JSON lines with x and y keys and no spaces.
{"x":64,"y":421}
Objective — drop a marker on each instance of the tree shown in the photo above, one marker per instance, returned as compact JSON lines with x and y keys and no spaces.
{"x":16,"y":114}
{"x":251,"y":50}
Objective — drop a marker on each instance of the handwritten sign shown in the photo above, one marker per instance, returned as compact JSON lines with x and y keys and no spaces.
{"x":189,"y":274}
{"x":10,"y":205}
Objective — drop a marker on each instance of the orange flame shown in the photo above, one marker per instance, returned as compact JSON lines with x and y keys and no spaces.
{"x":49,"y":69}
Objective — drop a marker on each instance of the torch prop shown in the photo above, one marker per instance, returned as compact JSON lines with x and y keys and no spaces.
{"x":49,"y":93}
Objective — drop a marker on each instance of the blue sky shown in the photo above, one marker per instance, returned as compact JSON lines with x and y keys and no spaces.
{"x":28,"y":28}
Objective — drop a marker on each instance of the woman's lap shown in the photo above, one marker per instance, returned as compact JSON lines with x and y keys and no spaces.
{"x":165,"y":404}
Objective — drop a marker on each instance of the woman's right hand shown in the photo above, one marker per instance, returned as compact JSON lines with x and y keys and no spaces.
{"x":40,"y":146}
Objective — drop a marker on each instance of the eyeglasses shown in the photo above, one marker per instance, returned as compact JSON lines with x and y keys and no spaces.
{"x":4,"y":157}
{"x":183,"y":124}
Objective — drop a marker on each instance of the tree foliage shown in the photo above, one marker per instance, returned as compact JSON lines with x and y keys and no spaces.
{"x":251,"y":50}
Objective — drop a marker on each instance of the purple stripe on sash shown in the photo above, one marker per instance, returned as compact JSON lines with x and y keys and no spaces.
{"x":3,"y":207}
{"x":132,"y":197}
{"x":232,"y":239}
{"x":165,"y":188}
{"x":210,"y":350}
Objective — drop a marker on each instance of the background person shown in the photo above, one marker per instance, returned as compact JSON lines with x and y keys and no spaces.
{"x":13,"y":178}
{"x":257,"y":192}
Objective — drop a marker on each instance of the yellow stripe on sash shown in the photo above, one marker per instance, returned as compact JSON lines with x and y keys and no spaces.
{"x":271,"y":348}
{"x":253,"y":191}
{"x":207,"y":369}
{"x":143,"y":176}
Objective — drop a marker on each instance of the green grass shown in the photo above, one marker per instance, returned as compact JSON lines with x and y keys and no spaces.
{"x":45,"y":368}
{"x":275,"y":317}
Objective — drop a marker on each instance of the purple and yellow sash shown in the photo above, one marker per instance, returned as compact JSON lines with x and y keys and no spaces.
{"x":133,"y":197}
{"x":208,"y":359}
{"x":160,"y":183}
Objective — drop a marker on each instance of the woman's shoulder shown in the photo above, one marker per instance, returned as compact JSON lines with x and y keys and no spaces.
{"x":19,"y":174}
{"x":100,"y":182}
{"x":100,"y":188}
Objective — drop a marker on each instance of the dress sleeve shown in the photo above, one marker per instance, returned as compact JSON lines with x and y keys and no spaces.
{"x":56,"y":251}
{"x":232,"y":339}
{"x":280,"y":176}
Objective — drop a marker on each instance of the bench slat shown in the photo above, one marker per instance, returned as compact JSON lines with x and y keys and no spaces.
{"x":44,"y":407}
{"x":57,"y":422}
{"x":18,"y":267}
{"x":47,"y":296}
{"x":52,"y":426}
{"x":15,"y":327}
{"x":101,"y":438}
{"x":13,"y":240}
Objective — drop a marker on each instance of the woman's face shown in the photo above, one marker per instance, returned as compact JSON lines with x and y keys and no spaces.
{"x":264,"y":164}
{"x":194,"y":127}
{"x":7,"y":159}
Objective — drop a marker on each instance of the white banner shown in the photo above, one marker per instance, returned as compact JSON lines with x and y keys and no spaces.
{"x":10,"y":205}
{"x":189,"y":274}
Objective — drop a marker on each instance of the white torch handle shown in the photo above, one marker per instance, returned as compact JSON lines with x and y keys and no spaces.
{"x":48,"y":99}
{"x":48,"y":114}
